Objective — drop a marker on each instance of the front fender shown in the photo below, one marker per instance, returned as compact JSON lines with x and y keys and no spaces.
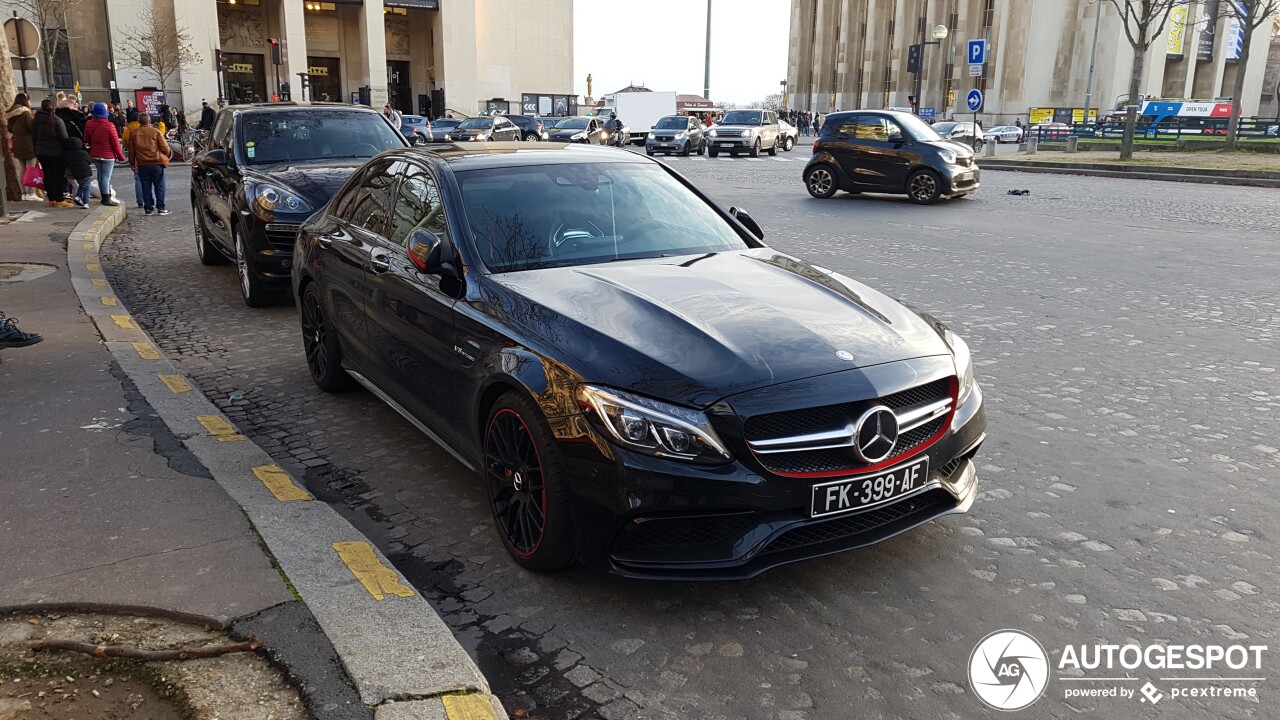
{"x":826,"y":158}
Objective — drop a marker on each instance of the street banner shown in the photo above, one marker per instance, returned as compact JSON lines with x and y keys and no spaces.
{"x":1235,"y":33}
{"x":1177,"y":32}
{"x":149,"y":100}
{"x":1205,"y":49}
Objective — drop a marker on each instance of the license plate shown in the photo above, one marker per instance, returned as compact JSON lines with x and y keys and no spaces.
{"x":964,"y":177}
{"x":866,"y":490}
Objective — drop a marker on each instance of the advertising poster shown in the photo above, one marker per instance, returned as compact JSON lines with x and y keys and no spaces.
{"x":1235,"y":33}
{"x":1205,"y":49}
{"x":1177,"y":32}
{"x":149,"y":100}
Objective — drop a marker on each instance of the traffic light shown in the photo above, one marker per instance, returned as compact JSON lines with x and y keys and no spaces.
{"x":911,"y":100}
{"x":223,"y":63}
{"x":275,"y":51}
{"x":913,"y":59}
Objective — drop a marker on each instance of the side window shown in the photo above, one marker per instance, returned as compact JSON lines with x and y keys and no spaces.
{"x":418,"y":206}
{"x":220,"y":136}
{"x":848,"y":127}
{"x":369,"y":205}
{"x":875,"y":127}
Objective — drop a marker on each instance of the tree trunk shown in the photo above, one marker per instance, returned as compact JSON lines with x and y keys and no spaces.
{"x":1134,"y":105}
{"x":1237,"y":89}
{"x":13,"y":190}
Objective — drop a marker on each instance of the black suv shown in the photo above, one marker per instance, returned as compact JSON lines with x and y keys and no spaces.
{"x":890,"y":152}
{"x":267,"y":168}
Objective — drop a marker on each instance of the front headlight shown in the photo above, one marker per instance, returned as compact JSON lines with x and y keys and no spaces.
{"x":269,"y":199}
{"x":679,"y":136}
{"x":947,"y":156}
{"x":650,"y":426}
{"x":712,"y":133}
{"x":964,"y":364}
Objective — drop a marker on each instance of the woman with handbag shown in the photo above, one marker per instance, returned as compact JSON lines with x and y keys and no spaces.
{"x":50,"y":143}
{"x":21,"y":122}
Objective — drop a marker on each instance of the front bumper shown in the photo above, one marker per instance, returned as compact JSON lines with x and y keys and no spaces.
{"x":646,"y":517}
{"x":664,"y":145}
{"x":963,"y":180}
{"x":271,"y":246}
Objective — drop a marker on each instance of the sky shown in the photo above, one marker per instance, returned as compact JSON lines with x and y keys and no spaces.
{"x":661,"y":44}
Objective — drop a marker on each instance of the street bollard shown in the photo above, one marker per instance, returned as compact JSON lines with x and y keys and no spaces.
{"x":990,"y":149}
{"x":1032,"y":142}
{"x":1071,"y":143}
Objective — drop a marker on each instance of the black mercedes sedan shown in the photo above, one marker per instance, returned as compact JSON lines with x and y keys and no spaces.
{"x":639,"y":381}
{"x":265,"y":169}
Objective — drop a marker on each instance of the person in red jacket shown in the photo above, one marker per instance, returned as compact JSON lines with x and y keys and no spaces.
{"x":104,"y":148}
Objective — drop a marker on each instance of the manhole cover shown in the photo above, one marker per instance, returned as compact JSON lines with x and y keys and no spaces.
{"x":18,"y":272}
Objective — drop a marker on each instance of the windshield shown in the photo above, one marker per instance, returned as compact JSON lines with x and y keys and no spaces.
{"x":672,"y":123}
{"x":919,"y":129}
{"x":944,"y":127}
{"x":741,"y":117}
{"x":299,"y":136}
{"x":476,"y":124}
{"x":586,"y":213}
{"x":446,"y":123}
{"x":576,"y":123}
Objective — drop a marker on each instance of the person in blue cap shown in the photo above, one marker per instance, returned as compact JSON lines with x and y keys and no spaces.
{"x":104,"y":148}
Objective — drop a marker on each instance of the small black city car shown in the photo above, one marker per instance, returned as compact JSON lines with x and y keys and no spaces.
{"x":264,"y":170}
{"x":640,"y":383}
{"x":886,"y":151}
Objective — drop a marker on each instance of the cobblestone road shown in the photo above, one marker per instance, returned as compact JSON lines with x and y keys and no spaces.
{"x":1125,"y":334}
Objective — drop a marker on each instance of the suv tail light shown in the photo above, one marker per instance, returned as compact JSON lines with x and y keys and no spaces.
{"x":815,"y":146}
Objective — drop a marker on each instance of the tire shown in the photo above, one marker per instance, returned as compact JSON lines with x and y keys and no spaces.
{"x":684,"y":151}
{"x":788,"y":143}
{"x":821,"y":182}
{"x":924,"y":187}
{"x":528,"y":491}
{"x":320,"y":345}
{"x":773,"y":149}
{"x":755,"y":149}
{"x":713,"y":153}
{"x":208,"y":254}
{"x":252,"y":289}
{"x":702,"y":149}
{"x":649,"y":153}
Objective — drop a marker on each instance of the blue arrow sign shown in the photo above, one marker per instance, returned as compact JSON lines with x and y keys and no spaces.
{"x":974,"y":100}
{"x":977,"y":52}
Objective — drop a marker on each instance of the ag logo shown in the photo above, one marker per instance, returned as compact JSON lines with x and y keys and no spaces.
{"x":1008,"y":670}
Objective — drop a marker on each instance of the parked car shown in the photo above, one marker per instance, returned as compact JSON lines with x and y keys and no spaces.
{"x":1049,"y":131}
{"x":745,"y":131}
{"x":966,"y":133}
{"x":1003,"y":134}
{"x":788,"y":135}
{"x":676,"y":134}
{"x":532,"y":129}
{"x":413,"y":126}
{"x":263,"y":170}
{"x":588,"y":130}
{"x":891,"y":152}
{"x":438,"y":131}
{"x":485,"y":129}
{"x":639,"y":382}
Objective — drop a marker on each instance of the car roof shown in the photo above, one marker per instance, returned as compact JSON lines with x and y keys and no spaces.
{"x":302,"y":106}
{"x":471,"y":156}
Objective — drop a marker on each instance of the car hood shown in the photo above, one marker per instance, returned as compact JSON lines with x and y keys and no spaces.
{"x":562,"y":132}
{"x":696,"y":329}
{"x":314,"y":182}
{"x":960,"y":149}
{"x":736,"y":128}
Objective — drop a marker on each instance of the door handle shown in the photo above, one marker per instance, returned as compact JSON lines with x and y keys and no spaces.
{"x":379,"y":261}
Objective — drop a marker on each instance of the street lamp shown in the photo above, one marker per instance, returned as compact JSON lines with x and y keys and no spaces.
{"x":915,"y":58}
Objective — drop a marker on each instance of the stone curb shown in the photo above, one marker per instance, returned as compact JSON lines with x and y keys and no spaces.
{"x":403,"y":659}
{"x":1098,"y":170}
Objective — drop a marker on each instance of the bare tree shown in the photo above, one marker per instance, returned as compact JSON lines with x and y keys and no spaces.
{"x":158,"y":45}
{"x":1144,"y":22}
{"x":1250,"y":14}
{"x":51,"y":17}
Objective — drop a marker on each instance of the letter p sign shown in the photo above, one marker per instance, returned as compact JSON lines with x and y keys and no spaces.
{"x":977,"y":52}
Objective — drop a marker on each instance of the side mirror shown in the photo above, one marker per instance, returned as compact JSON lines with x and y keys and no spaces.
{"x":214,"y":158}
{"x":748,"y":222}
{"x":429,"y":253}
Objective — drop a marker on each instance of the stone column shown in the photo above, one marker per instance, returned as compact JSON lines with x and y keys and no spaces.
{"x":293,"y":46}
{"x":374,"y":34}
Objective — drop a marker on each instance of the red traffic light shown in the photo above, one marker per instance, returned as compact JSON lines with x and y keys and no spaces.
{"x":911,"y":99}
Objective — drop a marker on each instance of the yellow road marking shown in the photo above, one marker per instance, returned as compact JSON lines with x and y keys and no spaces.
{"x":175,"y":383}
{"x":100,"y":282}
{"x":230,"y":438}
{"x":216,"y":425}
{"x":90,"y":256}
{"x":145,"y":351}
{"x":88,"y":246}
{"x":124,"y":321}
{"x":377,"y":578}
{"x":109,"y":301}
{"x":471,"y":706}
{"x":93,"y":267}
{"x":280,"y":484}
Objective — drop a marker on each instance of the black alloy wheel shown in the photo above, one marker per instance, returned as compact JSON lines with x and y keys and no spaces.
{"x":320,"y":342}
{"x":527,"y":490}
{"x":252,"y":289}
{"x":821,"y":182}
{"x":924,"y":187}
{"x":209,"y":255}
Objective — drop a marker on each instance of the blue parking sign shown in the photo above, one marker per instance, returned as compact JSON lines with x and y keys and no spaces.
{"x":977,"y":52}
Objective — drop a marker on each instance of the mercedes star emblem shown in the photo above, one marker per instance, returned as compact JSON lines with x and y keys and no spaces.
{"x":875,"y":434}
{"x":844,"y":355}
